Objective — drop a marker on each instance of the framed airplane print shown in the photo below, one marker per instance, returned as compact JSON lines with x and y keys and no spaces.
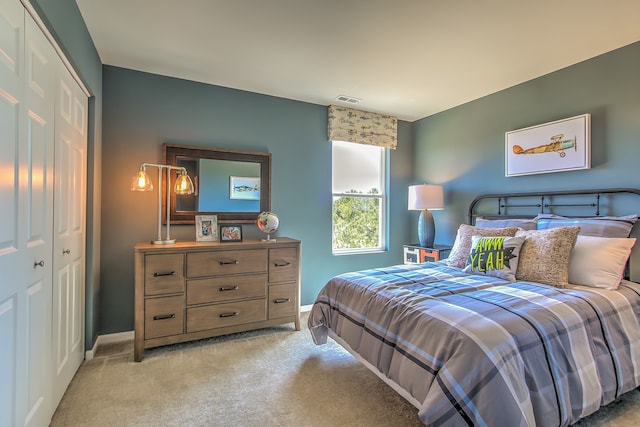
{"x":563,"y":145}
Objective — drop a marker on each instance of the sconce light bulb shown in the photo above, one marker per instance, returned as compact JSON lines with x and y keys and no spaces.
{"x":184,"y":185}
{"x":141,"y":182}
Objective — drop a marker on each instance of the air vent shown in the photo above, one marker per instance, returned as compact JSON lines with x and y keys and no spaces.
{"x":348,"y":99}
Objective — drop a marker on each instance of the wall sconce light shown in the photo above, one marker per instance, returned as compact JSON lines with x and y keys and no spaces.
{"x":183,"y":185}
{"x":424,"y":197}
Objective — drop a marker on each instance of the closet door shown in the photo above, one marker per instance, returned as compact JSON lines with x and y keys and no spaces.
{"x":26,"y":128}
{"x":69,"y":229}
{"x":12,"y":287}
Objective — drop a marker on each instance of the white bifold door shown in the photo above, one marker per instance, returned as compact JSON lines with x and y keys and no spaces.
{"x":69,"y":231}
{"x":42,"y":221}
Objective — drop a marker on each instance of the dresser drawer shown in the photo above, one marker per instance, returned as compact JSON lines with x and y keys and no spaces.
{"x":283,"y":300}
{"x":163,"y":316}
{"x":215,"y":263}
{"x":163,"y":274}
{"x":228,"y":314}
{"x":217,"y":289}
{"x":283,"y":265}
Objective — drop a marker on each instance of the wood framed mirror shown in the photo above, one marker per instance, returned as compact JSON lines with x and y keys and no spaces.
{"x":235,"y":185}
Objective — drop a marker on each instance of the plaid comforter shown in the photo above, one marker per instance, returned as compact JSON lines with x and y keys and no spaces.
{"x":478,"y":350}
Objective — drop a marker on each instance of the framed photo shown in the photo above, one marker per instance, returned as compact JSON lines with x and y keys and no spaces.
{"x":231,"y":233}
{"x":244,"y":188}
{"x":206,"y":228}
{"x":558,"y":146}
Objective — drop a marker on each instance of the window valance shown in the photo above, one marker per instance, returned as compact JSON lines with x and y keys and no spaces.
{"x":363,"y":127}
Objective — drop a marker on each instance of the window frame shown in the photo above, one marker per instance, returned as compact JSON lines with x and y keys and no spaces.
{"x":382,"y":196}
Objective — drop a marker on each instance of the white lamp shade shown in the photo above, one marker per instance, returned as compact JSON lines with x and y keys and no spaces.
{"x":426,"y":196}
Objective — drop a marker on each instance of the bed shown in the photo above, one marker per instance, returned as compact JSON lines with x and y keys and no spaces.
{"x":543,"y":339}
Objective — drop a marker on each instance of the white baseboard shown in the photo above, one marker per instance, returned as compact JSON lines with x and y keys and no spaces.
{"x":128,"y":336}
{"x":108,"y":339}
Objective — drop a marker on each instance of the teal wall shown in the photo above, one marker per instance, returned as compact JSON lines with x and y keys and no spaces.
{"x":141,"y":111}
{"x":64,"y":21}
{"x":464,"y":148}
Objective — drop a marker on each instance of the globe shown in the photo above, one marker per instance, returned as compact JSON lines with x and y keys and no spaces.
{"x":268,"y":223}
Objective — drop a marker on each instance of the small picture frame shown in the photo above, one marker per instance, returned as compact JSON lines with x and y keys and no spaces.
{"x":206,"y":228}
{"x":244,"y":188}
{"x":231,"y":233}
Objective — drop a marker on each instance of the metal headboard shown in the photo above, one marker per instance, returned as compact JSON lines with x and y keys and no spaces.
{"x":584,"y":202}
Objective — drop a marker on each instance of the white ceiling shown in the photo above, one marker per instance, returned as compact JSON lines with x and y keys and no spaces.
{"x":408,"y":58}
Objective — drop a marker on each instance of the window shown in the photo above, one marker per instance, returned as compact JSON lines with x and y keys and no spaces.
{"x":359,"y":197}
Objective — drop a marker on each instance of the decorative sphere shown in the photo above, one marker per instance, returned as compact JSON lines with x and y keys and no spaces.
{"x":268,"y":222}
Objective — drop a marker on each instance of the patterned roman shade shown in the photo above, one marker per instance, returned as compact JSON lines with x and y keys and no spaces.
{"x":363,"y":127}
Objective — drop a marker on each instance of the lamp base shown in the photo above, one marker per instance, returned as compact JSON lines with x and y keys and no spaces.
{"x":164,"y":242}
{"x":426,"y":229}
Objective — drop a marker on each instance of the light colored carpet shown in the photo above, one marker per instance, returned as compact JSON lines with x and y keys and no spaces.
{"x":271,"y":377}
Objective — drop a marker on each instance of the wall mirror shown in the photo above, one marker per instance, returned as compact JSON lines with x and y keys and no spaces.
{"x":235,"y":185}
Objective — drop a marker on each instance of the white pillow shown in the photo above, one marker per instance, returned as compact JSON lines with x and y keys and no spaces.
{"x":599,"y":261}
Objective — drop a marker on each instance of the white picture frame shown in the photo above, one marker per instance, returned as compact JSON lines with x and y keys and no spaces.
{"x":562,"y":145}
{"x":206,"y":228}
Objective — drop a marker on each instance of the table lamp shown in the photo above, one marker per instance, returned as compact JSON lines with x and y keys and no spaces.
{"x":183,"y":185}
{"x":424,"y":198}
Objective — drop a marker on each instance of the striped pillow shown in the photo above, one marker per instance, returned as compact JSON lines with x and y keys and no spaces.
{"x":524,"y":223}
{"x":597,"y":226}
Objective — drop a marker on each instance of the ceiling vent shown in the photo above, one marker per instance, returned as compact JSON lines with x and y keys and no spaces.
{"x":348,"y":99}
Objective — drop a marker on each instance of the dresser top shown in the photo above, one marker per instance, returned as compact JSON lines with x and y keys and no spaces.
{"x":245,"y":244}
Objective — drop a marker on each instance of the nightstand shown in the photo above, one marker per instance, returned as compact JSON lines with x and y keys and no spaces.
{"x":414,"y":254}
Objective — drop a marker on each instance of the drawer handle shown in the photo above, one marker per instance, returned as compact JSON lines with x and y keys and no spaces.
{"x":171,"y":273}
{"x":282,"y":265}
{"x":230,"y":262}
{"x":164,"y":316}
{"x":235,"y":313}
{"x":281,"y":300}
{"x":229,"y":288}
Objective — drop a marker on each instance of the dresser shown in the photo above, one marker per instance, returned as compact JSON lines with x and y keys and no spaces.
{"x":191,"y":290}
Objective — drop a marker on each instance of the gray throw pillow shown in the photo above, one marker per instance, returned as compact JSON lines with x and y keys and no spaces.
{"x":545,"y":254}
